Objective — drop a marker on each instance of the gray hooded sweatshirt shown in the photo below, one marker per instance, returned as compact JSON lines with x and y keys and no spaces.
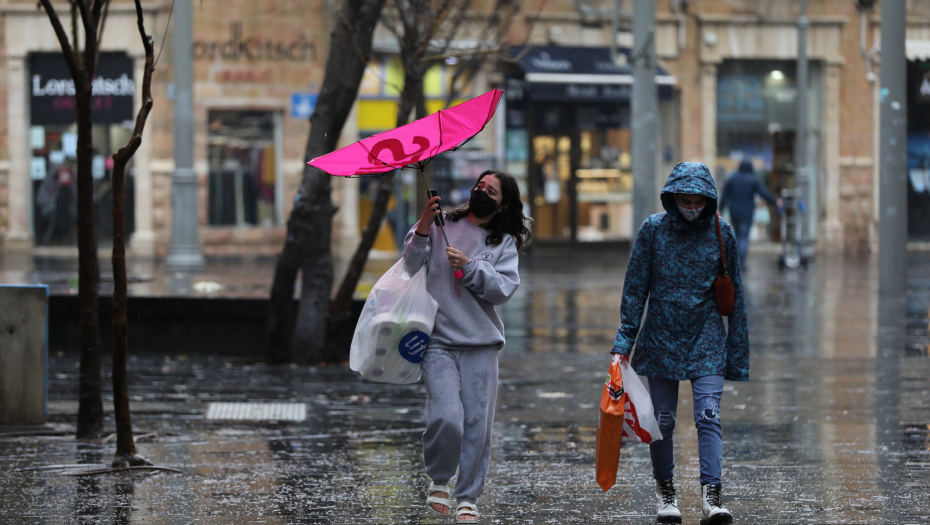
{"x":491,"y":278}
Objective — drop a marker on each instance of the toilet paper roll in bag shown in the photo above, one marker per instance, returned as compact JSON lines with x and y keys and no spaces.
{"x":394,"y":328}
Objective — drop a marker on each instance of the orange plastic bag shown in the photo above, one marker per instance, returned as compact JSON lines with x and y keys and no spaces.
{"x":610,"y":428}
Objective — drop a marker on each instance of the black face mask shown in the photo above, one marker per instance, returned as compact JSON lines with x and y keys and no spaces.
{"x":481,"y":204}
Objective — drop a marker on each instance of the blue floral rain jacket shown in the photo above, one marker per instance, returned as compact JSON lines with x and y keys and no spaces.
{"x":673,"y":265}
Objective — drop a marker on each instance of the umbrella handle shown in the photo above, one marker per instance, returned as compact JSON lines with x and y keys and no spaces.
{"x":437,"y":219}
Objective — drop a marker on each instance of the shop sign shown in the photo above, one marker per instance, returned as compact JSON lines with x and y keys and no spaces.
{"x":51,"y":90}
{"x":254,"y":48}
{"x":244,"y":75}
{"x":740,"y":99}
{"x":544,"y":62}
{"x":607,"y":93}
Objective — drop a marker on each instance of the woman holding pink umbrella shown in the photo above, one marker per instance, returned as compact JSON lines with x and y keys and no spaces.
{"x":476,"y":272}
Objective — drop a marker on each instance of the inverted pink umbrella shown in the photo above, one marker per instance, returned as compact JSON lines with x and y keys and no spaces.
{"x":415,"y":144}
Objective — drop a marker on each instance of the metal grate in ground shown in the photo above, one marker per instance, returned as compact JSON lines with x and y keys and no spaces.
{"x":257,"y":411}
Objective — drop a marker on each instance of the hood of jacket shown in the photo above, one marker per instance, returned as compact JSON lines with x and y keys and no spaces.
{"x":693,"y":178}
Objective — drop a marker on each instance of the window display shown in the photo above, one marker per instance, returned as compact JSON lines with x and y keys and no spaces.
{"x":243,"y":167}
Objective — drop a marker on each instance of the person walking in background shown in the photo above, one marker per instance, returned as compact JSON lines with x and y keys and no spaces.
{"x":739,"y":195}
{"x":468,"y":279}
{"x":675,"y":258}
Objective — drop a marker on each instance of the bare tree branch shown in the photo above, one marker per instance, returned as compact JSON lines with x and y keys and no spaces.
{"x":358,"y":50}
{"x":407,"y":16}
{"x":74,"y":30}
{"x":453,"y":31}
{"x":165,"y":36}
{"x":103,"y":22}
{"x":389,"y":23}
{"x":436,"y":23}
{"x":466,"y":53}
{"x":96,"y":10}
{"x":66,"y":48}
{"x":148,"y":44}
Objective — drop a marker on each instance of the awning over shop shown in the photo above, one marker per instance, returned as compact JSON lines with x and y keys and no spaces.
{"x":917,"y":49}
{"x":581,"y":74}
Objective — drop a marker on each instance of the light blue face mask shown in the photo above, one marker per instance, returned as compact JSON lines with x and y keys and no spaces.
{"x":690,"y":215}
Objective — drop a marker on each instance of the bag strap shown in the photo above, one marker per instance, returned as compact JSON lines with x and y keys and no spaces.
{"x":723,"y":255}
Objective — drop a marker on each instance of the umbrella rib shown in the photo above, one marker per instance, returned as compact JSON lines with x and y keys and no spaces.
{"x":422,"y":164}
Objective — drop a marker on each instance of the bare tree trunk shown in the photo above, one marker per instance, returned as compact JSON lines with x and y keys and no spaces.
{"x":309,"y":228}
{"x":414,"y":70}
{"x":126,"y":455}
{"x":90,"y":406}
{"x":125,"y":445}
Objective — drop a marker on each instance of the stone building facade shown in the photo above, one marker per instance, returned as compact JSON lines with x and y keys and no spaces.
{"x":734,"y":61}
{"x":257,"y":68}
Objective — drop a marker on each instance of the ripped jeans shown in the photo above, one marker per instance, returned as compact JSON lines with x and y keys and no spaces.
{"x":707,"y":392}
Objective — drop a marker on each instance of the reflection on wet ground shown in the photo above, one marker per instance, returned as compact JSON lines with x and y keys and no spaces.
{"x":833,"y":428}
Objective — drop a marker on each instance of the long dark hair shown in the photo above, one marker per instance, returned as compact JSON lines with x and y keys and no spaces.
{"x":509,"y":218}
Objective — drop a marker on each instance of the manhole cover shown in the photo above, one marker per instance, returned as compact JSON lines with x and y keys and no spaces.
{"x":257,"y":411}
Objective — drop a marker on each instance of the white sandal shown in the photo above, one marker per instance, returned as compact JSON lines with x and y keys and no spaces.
{"x":466,"y":509}
{"x":436,"y":499}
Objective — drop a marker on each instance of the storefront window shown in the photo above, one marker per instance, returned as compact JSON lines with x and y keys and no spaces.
{"x":551,"y":179}
{"x":757,"y":120}
{"x":244,"y":170}
{"x":53,"y":146}
{"x":755,"y":100}
{"x":918,"y":150}
{"x":605,"y":185}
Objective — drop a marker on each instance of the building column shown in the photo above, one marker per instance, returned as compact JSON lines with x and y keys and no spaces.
{"x":831,"y":229}
{"x":19,"y":233}
{"x":709,"y":115}
{"x":142,"y":242}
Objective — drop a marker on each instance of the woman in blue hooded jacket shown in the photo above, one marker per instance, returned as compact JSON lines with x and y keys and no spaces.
{"x":674,"y":261}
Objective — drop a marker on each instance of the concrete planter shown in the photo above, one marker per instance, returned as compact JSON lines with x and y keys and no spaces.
{"x":23,"y":354}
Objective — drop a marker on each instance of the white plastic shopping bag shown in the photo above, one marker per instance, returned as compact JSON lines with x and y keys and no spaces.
{"x":394,"y":328}
{"x":639,"y":421}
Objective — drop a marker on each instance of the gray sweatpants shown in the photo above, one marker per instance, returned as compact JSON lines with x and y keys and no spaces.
{"x":461,"y":388}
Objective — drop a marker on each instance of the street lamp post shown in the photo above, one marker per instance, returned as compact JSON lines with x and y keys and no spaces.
{"x":804,"y":174}
{"x":644,"y":112}
{"x":184,"y":253}
{"x":892,"y":191}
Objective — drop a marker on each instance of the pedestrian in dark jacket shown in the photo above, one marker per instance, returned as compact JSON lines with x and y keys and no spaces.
{"x":675,"y":258}
{"x":739,"y":194}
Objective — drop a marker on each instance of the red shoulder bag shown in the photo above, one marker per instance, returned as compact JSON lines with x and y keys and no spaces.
{"x":723,"y":286}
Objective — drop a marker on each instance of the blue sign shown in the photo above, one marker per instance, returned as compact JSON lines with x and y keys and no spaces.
{"x":412,"y":346}
{"x":302,"y":105}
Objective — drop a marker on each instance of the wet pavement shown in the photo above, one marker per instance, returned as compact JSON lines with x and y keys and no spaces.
{"x":832,"y":428}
